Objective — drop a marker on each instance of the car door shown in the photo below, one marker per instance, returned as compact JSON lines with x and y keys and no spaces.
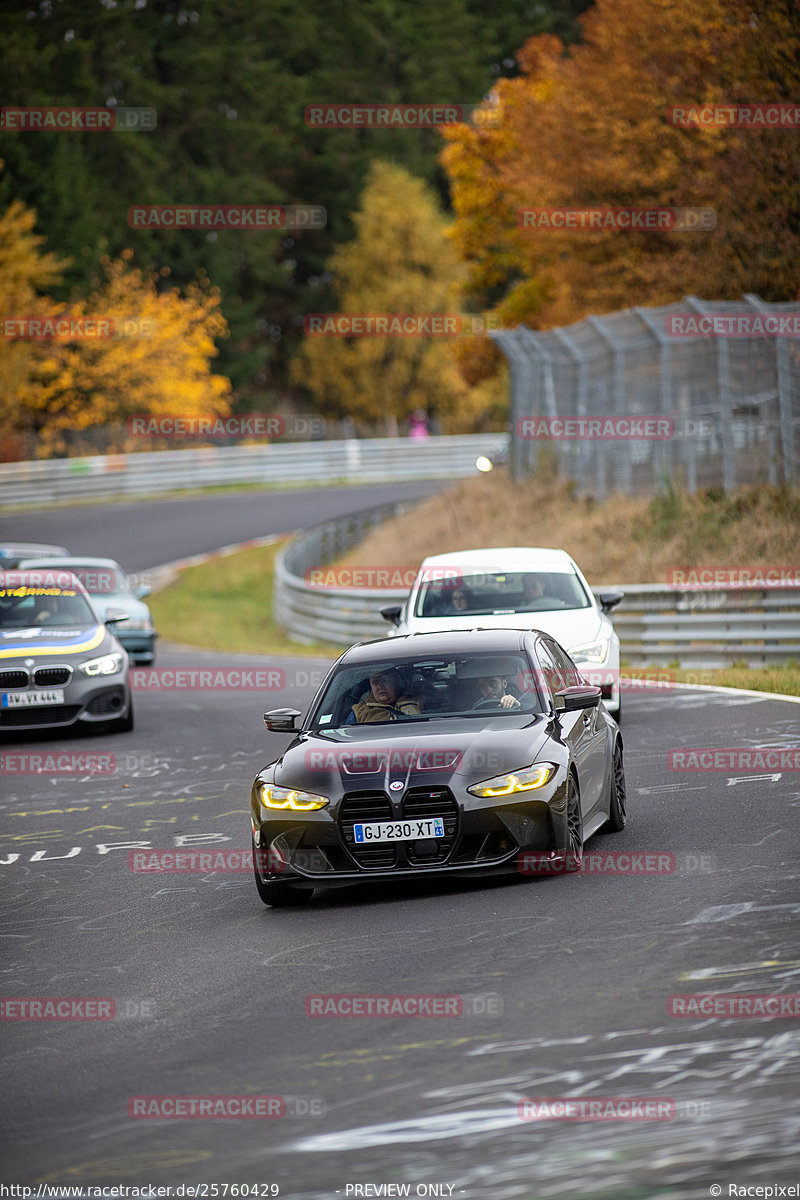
{"x":582,"y":730}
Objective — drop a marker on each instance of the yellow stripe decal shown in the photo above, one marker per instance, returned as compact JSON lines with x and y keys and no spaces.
{"x":36,"y":651}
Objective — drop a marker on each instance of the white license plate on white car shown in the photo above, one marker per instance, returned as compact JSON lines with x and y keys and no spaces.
{"x":32,"y":699}
{"x":400,"y":831}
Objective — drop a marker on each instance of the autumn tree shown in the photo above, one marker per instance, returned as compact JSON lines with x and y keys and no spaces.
{"x":400,"y":261}
{"x":149,"y":349}
{"x":156,"y":360}
{"x":590,"y":127}
{"x":26,"y":272}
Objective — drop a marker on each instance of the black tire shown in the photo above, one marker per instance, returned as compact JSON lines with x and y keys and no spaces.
{"x":280,"y":895}
{"x":573,"y":857}
{"x":617,"y":814}
{"x":124,"y":724}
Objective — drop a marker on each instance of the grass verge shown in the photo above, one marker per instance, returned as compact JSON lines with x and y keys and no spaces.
{"x":226,"y":604}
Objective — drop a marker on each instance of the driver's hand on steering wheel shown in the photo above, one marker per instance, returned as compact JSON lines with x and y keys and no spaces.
{"x":508,"y":702}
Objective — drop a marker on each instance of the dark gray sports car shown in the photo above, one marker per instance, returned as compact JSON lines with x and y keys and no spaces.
{"x":460,"y":753}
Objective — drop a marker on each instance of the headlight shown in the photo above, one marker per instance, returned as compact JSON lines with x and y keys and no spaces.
{"x":525,"y":780}
{"x":591,"y":652}
{"x":273,"y":796}
{"x":109,"y":664}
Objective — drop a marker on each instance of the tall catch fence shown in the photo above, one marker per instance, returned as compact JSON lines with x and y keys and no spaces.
{"x":711,"y":388}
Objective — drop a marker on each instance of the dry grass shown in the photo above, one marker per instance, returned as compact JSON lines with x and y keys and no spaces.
{"x":625,"y":540}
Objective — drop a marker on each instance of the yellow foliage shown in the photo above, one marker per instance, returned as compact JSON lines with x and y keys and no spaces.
{"x":400,"y":261}
{"x":156,"y":361}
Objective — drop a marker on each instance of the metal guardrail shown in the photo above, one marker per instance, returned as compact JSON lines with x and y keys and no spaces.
{"x":656,"y":624}
{"x":370,"y":460}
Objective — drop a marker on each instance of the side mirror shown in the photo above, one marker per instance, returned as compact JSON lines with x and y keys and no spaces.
{"x":391,"y":612}
{"x":281,"y":720}
{"x":609,"y":600}
{"x":579,"y":696}
{"x":143,"y":591}
{"x":115,"y":615}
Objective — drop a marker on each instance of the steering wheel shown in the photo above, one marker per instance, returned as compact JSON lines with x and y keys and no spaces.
{"x":487,"y":702}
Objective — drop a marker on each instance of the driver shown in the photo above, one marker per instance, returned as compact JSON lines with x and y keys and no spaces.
{"x":387,"y":700}
{"x":495,"y":687}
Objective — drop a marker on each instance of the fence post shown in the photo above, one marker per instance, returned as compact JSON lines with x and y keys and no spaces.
{"x":784,"y":373}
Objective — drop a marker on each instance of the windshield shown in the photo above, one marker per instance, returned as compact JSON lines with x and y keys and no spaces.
{"x":424,"y":688}
{"x":47,"y":607}
{"x":494,"y":593}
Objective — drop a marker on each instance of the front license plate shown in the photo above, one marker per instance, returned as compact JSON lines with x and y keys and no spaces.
{"x":400,"y":831}
{"x":31,"y":699}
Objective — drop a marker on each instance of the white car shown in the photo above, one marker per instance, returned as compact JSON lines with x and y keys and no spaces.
{"x":522,"y":587}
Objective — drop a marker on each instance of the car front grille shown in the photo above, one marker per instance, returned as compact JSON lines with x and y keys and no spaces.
{"x":432,"y":802}
{"x":52,"y":676}
{"x":417,"y":802}
{"x":367,"y":806}
{"x":13,"y":679}
{"x":39,"y":714}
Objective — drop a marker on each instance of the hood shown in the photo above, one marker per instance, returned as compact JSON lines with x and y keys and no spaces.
{"x":34,"y":642}
{"x":455,"y":752}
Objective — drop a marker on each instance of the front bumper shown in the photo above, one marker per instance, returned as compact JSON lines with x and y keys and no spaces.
{"x":488,"y":838}
{"x":86,"y":702}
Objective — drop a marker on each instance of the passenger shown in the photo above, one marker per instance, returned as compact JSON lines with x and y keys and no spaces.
{"x":387,"y":700}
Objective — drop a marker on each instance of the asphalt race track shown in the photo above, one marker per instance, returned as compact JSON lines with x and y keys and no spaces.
{"x":141,"y":534}
{"x":565,"y":982}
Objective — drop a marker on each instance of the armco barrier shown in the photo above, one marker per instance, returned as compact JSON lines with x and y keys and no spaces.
{"x":370,"y":460}
{"x":656,"y":624}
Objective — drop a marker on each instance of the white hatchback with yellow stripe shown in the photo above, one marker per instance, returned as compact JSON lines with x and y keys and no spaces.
{"x":59,"y":663}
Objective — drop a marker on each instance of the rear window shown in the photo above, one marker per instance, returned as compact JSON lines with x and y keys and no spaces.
{"x":494,"y":593}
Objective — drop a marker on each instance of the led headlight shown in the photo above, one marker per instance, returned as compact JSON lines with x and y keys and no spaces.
{"x":272,"y":796}
{"x":525,"y":780}
{"x":109,"y":664}
{"x":595,"y":652}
